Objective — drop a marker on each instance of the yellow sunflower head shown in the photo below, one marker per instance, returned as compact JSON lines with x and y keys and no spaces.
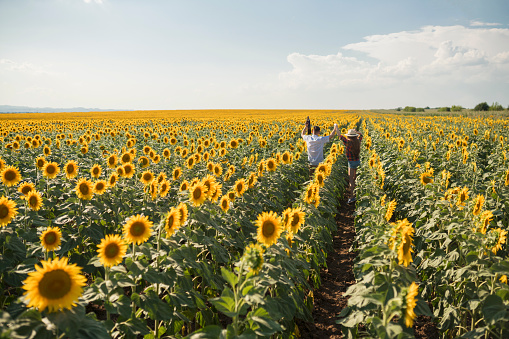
{"x":111,"y":250}
{"x":164,"y":188}
{"x":240,"y":187}
{"x":224,"y":203}
{"x":129,"y":170}
{"x":172,"y":222}
{"x":10,"y":176}
{"x":26,"y":188}
{"x":166,"y":153}
{"x":218,"y":170}
{"x":269,"y":228}
{"x":177,"y":172}
{"x":112,"y":160}
{"x":126,"y":157}
{"x":147,"y":177}
{"x":39,"y":162}
{"x":183,"y":213}
{"x":71,"y":169}
{"x":198,"y":193}
{"x":51,"y":238}
{"x":8,"y":211}
{"x":271,"y":165}
{"x":410,"y":304}
{"x":34,"y":200}
{"x":95,"y":171}
{"x":479,"y":202}
{"x":137,"y":229}
{"x":184,"y":186}
{"x":84,"y":189}
{"x":112,"y":181}
{"x":100,"y":187}
{"x":426,"y":178}
{"x":296,"y":219}
{"x":144,"y":162}
{"x":56,"y":286}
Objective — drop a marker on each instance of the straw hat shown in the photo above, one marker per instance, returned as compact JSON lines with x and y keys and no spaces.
{"x":351,"y":133}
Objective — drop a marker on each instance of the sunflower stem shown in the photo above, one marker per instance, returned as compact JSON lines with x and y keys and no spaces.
{"x":107,"y":278}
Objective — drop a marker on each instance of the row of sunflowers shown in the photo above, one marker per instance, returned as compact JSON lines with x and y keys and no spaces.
{"x":163,"y":227}
{"x":432,"y":224}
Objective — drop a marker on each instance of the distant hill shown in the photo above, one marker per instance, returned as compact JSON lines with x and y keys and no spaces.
{"x":26,"y":109}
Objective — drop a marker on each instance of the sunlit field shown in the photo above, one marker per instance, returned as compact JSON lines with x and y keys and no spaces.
{"x":206,"y":224}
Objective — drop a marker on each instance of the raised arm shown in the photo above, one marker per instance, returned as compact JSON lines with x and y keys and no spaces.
{"x":303,"y":133}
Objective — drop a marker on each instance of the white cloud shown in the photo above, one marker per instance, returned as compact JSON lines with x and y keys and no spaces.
{"x":25,"y":67}
{"x":436,"y":59}
{"x":476,"y":23}
{"x":96,"y":1}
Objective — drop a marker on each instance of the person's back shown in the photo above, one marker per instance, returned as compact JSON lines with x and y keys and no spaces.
{"x":315,"y":144}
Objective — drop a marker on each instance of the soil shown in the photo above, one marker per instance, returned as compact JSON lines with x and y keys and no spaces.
{"x":336,"y":278}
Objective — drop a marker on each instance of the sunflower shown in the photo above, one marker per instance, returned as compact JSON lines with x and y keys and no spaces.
{"x":100,"y":187}
{"x":391,"y":206}
{"x":234,"y":143}
{"x":269,"y":228}
{"x":462,"y":197}
{"x":183,"y":213}
{"x":50,"y":239}
{"x":224,"y":203}
{"x":286,"y":157}
{"x":166,"y":153}
{"x":10,"y":176}
{"x":382,"y":200}
{"x":410,"y":304}
{"x":479,"y":202}
{"x":112,"y":161}
{"x":126,"y":157}
{"x":164,"y":188}
{"x":56,"y":286}
{"x":210,"y":166}
{"x":501,"y":239}
{"x":84,"y":189}
{"x":503,"y":279}
{"x":296,"y":219}
{"x":253,"y":258}
{"x":287,"y":215}
{"x":95,"y":171}
{"x":8,"y":211}
{"x":129,"y":170}
{"x":39,"y":162}
{"x":144,"y":162}
{"x":172,"y":222}
{"x":71,"y":169}
{"x":198,"y":193}
{"x":153,"y":188}
{"x":426,"y":178}
{"x":320,"y":178}
{"x":231,"y":195}
{"x":506,"y":179}
{"x":240,"y":187}
{"x":218,"y":170}
{"x":405,"y":248}
{"x":112,"y":181}
{"x":26,"y":188}
{"x":147,"y":177}
{"x":177,"y":172}
{"x":210,"y":182}
{"x":111,"y":250}
{"x":137,"y":229}
{"x":34,"y":200}
{"x":251,"y":181}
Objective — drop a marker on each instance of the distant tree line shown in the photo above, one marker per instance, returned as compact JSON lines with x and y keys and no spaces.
{"x":483,"y":106}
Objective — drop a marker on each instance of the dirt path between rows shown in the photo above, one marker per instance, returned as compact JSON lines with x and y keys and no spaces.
{"x":336,"y":278}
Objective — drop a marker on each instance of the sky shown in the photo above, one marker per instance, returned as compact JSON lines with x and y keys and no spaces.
{"x":257,"y":54}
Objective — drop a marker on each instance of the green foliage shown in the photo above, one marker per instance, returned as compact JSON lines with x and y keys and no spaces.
{"x":483,"y":106}
{"x":444,"y":109}
{"x":496,"y":107}
{"x":456,"y":108}
{"x":409,"y":109}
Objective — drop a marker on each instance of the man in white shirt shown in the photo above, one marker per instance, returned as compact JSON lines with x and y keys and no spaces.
{"x":315,"y":144}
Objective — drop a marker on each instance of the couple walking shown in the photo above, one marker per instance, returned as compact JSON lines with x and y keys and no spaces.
{"x":315,"y":143}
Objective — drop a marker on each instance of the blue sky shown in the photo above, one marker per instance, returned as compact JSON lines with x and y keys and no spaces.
{"x":128,"y":54}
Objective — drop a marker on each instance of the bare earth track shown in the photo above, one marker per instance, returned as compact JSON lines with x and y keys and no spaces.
{"x":336,"y":278}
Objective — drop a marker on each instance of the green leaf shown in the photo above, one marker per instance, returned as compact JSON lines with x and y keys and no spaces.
{"x":230,"y":277}
{"x":226,"y":303}
{"x":209,"y":332}
{"x":494,"y":309}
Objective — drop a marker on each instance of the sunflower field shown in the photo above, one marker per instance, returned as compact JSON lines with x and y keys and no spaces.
{"x":201,"y":224}
{"x":431,"y":228}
